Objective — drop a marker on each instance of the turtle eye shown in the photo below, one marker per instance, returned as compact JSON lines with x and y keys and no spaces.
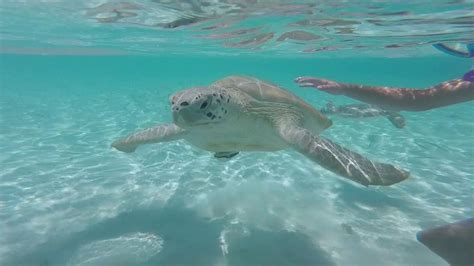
{"x":184,"y":103}
{"x":203,"y":105}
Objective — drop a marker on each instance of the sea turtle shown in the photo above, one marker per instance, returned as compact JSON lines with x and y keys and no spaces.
{"x":363,"y":111}
{"x":247,"y":114}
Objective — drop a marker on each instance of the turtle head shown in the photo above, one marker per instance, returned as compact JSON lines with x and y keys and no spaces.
{"x":200,"y":106}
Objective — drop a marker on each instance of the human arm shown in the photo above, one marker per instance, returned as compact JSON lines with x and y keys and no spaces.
{"x":397,"y":99}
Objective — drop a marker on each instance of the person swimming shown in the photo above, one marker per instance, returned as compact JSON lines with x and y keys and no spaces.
{"x":404,"y":99}
{"x":455,"y":51}
{"x":453,"y":242}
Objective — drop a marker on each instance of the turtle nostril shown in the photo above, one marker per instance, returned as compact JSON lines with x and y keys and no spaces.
{"x":184,"y":104}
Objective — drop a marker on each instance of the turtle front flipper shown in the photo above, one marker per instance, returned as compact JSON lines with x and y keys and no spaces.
{"x":161,"y":133}
{"x":340,"y":160}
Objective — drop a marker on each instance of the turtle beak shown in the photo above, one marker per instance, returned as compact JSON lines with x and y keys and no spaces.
{"x":185,"y":116}
{"x":175,"y":117}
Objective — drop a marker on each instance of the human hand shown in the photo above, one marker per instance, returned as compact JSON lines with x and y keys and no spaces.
{"x":325,"y":85}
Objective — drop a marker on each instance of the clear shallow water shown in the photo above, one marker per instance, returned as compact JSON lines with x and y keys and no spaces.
{"x":67,"y":198}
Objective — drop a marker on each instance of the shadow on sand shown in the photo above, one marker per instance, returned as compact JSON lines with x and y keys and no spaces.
{"x":188,"y":240}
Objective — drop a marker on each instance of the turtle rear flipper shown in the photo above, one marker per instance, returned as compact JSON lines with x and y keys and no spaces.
{"x":225,"y":155}
{"x":396,"y":119}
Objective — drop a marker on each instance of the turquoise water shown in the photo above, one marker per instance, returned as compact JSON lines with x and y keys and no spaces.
{"x":67,"y":198}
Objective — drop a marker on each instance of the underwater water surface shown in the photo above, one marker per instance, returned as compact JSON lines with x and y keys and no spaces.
{"x":68,"y":198}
